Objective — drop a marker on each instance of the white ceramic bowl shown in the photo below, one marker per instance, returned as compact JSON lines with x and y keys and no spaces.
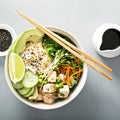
{"x":58,"y":104}
{"x":13,"y":34}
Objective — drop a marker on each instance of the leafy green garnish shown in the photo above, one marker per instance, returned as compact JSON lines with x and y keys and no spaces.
{"x":51,"y":46}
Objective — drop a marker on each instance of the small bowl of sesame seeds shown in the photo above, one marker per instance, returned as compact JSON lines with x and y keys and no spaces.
{"x":7,"y":37}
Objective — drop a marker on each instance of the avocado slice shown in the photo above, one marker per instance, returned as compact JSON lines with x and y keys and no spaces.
{"x":31,"y":35}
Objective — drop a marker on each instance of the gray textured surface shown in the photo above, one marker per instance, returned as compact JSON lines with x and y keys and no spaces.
{"x":100,"y":98}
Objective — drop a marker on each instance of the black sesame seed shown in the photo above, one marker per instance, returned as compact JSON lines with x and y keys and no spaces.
{"x":5,"y":40}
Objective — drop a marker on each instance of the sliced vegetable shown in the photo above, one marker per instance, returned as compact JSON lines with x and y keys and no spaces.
{"x":32,"y":35}
{"x":18,"y":85}
{"x":30,"y":79}
{"x":24,"y":91}
{"x":30,"y":93}
{"x":35,"y":94}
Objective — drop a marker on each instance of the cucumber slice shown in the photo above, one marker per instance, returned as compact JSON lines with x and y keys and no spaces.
{"x":30,"y":92}
{"x":29,"y":80}
{"x":18,"y":85}
{"x":24,"y":91}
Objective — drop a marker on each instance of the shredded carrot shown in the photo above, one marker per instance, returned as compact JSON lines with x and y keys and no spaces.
{"x":67,"y":66}
{"x":69,"y":71}
{"x":69,"y":79}
{"x":76,"y":60}
{"x":80,"y":70}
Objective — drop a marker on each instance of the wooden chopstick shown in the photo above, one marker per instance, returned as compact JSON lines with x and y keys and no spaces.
{"x":80,"y":51}
{"x":75,"y":51}
{"x":74,"y":48}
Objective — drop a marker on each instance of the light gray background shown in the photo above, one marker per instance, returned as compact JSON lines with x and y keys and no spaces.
{"x":100,"y":98}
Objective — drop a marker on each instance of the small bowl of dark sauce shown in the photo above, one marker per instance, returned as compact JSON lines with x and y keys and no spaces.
{"x":106,"y":40}
{"x":7,"y":37}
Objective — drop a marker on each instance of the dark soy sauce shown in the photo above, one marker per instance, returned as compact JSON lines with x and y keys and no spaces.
{"x":110,"y":39}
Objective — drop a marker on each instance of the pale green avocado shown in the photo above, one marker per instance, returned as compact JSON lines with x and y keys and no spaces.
{"x":34,"y":35}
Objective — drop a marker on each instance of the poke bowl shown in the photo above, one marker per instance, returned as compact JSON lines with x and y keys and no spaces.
{"x":41,"y":73}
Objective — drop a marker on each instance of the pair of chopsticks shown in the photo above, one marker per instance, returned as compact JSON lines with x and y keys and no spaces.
{"x":71,"y":48}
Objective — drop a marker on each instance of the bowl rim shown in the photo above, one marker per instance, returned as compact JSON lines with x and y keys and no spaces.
{"x":13,"y":34}
{"x":59,"y":104}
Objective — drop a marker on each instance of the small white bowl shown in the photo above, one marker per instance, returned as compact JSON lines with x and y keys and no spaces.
{"x":13,"y":35}
{"x":58,"y":104}
{"x":97,"y":40}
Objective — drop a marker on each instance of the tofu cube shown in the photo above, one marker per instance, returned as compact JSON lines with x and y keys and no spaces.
{"x":61,"y":77}
{"x":49,"y":88}
{"x":64,"y":92}
{"x":48,"y":99}
{"x":52,"y":77}
{"x":39,"y":97}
